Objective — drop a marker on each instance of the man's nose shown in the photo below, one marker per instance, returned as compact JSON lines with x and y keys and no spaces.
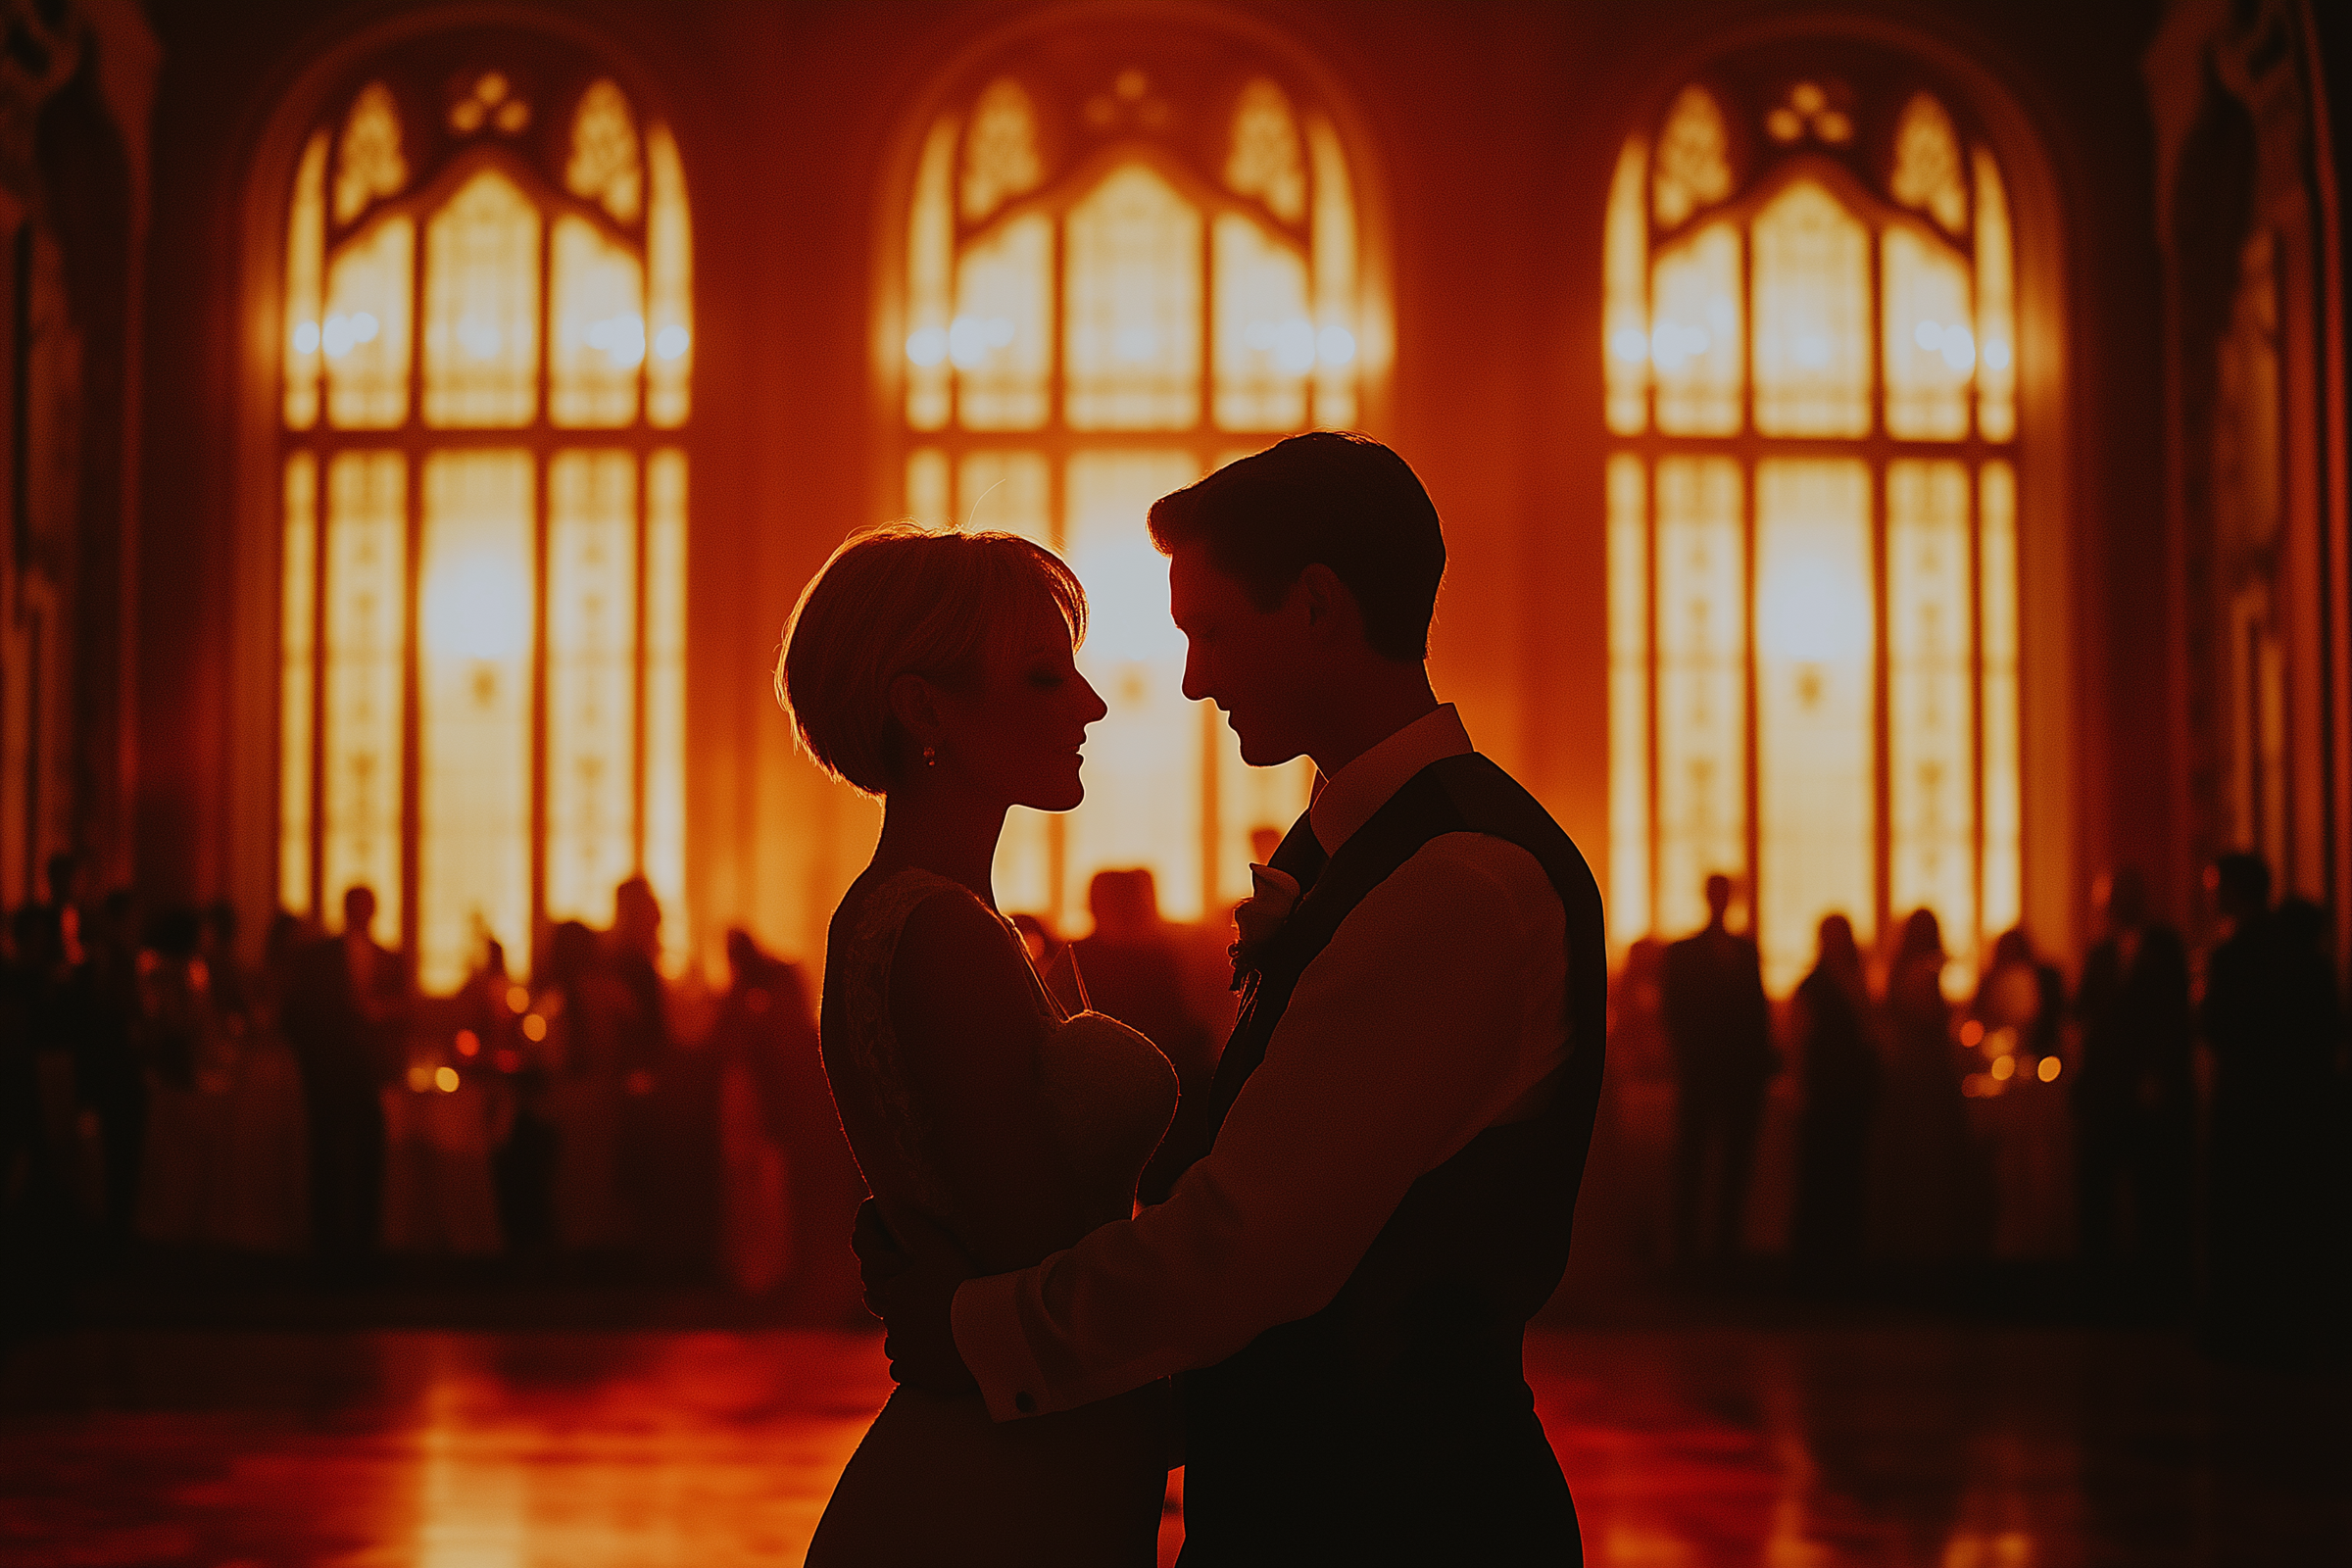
{"x":1195,"y":684}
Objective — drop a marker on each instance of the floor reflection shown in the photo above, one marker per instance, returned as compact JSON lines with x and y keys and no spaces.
{"x":1936,"y":1446}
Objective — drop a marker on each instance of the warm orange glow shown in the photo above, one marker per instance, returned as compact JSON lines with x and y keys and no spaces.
{"x":1930,"y":747}
{"x":1931,"y":355}
{"x":1625,"y":294}
{"x":364,"y":336}
{"x":1815,"y":632}
{"x":446,"y":1080}
{"x":474,"y":859}
{"x":1695,"y":336}
{"x":298,"y":604}
{"x":1810,"y":277}
{"x":1334,"y":246}
{"x":1997,"y":665}
{"x":930,"y":269}
{"x":1174,"y":310}
{"x":1629,"y":701}
{"x":1265,"y":159}
{"x":998,"y":339}
{"x":468,"y":1044}
{"x":481,"y":306}
{"x":534,"y":1027}
{"x":368,"y":165}
{"x":306,"y":256}
{"x":1996,"y":306}
{"x":1701,"y":684}
{"x":599,"y":328}
{"x":519,"y":998}
{"x":1694,"y":164}
{"x":1265,"y":336}
{"x":1940,"y":335}
{"x":1143,"y":764}
{"x":604,"y":167}
{"x":367,"y":608}
{"x":1131,"y":306}
{"x":591,"y":680}
{"x":1927,"y":172}
{"x":1000,"y":157}
{"x":2049,"y":1069}
{"x":670,"y":286}
{"x":615,"y":319}
{"x":665,"y":762}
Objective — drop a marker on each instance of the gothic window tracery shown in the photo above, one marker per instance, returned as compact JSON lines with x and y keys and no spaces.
{"x":485,"y":364}
{"x":1809,"y":341}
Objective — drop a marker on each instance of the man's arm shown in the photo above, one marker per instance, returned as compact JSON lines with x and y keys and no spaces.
{"x":1403,"y":1040}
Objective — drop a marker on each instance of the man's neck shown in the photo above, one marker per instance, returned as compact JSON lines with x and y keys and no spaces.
{"x":1370,"y":710}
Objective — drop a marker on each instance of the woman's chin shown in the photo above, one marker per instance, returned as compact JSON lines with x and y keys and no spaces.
{"x":1063,"y":795}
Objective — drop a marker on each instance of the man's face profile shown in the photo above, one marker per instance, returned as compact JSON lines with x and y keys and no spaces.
{"x":1251,"y":662}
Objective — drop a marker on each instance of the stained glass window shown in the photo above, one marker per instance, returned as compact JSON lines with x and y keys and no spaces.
{"x":1809,"y":342}
{"x":482,"y":654}
{"x":1100,"y":305}
{"x":1815,"y":621}
{"x":474,"y":711}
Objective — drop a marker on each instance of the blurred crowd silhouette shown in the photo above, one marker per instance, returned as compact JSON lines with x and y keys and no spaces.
{"x":163,"y":1094}
{"x":2177,"y":1123}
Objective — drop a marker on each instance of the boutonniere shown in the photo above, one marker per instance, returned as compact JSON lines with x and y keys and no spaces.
{"x":1256,"y":918}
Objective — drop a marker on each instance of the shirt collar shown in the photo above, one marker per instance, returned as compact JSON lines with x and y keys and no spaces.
{"x":1346,"y":803}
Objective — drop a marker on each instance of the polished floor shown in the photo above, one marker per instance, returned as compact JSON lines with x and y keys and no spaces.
{"x":1950,"y":1448}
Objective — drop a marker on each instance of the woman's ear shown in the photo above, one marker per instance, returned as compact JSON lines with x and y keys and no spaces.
{"x":914,"y":704}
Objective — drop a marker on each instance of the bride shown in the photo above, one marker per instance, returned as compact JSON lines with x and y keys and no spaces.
{"x":934,"y":669}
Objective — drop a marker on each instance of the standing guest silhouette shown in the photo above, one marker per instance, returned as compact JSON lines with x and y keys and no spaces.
{"x":1719,"y":1028}
{"x":2270,"y":1018}
{"x":343,"y":1012}
{"x":1841,"y":1065}
{"x":2134,"y":1098}
{"x":1926,"y":1185}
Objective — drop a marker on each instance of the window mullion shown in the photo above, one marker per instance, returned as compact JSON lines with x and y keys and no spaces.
{"x":542,"y":470}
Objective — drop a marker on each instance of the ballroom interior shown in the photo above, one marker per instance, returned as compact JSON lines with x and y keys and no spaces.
{"x":1891,"y":453}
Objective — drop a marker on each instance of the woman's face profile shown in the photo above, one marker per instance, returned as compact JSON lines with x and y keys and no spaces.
{"x":1017,"y":731}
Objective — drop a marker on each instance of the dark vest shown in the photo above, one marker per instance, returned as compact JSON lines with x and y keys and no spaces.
{"x":1395,"y":1425}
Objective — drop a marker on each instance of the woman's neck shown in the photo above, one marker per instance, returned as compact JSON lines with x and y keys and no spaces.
{"x":928,"y":824}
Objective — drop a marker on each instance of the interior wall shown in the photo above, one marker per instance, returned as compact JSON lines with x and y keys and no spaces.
{"x":1495,"y":126}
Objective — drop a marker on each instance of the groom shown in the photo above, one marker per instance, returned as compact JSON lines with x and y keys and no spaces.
{"x":1396,"y":1132}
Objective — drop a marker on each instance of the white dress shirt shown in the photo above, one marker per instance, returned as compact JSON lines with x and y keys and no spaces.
{"x":1438,"y":1010}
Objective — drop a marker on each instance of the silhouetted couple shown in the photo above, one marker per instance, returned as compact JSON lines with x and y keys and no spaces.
{"x":1380,"y":1193}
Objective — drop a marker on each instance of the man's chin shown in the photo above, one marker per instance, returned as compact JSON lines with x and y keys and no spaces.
{"x":1261,"y":752}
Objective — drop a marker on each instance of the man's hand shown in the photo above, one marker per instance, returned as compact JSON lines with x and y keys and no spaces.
{"x":909,"y":1284}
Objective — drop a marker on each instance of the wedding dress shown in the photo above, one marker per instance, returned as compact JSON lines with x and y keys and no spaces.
{"x":935,"y":1480}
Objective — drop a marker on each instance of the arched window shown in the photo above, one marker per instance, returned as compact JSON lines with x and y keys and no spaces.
{"x":1810,"y":353}
{"x":1124,"y":267}
{"x":487,"y":354}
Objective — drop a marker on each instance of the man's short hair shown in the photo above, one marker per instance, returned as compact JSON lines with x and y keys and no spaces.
{"x":1330,"y":497}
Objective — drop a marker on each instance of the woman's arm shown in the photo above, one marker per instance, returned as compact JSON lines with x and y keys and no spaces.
{"x":968,"y":1027}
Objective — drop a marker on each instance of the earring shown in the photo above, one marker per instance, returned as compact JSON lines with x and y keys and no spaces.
{"x":930,"y":756}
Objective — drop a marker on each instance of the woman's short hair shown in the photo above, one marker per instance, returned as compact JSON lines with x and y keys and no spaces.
{"x":1327,"y":496}
{"x":905,"y":600}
